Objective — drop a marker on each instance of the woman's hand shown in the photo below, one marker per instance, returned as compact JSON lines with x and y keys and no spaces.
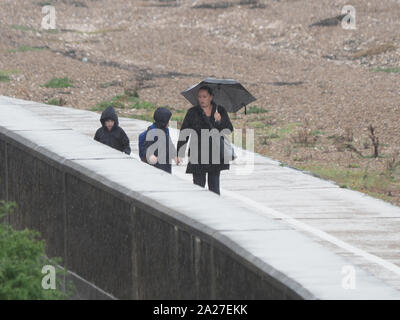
{"x":217,"y":116}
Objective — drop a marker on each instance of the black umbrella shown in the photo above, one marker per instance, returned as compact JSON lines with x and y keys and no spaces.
{"x":227,"y":92}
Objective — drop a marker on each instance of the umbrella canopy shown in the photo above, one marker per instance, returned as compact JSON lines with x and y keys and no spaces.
{"x":228,"y":93}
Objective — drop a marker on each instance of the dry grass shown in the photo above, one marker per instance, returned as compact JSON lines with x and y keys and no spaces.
{"x":375,"y":50}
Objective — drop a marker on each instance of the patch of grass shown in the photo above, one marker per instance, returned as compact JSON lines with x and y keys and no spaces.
{"x":178,"y":110}
{"x":256,"y":110}
{"x":146,"y":117}
{"x":387,"y":70}
{"x":56,"y":102}
{"x":44,"y":3}
{"x":353,"y":165}
{"x":4,"y":78}
{"x":218,"y":5}
{"x":54,"y":31}
{"x":128,"y":100}
{"x":141,"y":104}
{"x":287,"y":129}
{"x":113,"y":83}
{"x":142,"y":109}
{"x":107,"y":30}
{"x":22,"y":27}
{"x":5,"y":75}
{"x":26,"y":48}
{"x":371,"y":182}
{"x":233,"y":115}
{"x":178,"y":117}
{"x":273,"y":136}
{"x":256,"y":124}
{"x":113,"y":102}
{"x":371,"y":156}
{"x":304,"y":137}
{"x":298,"y":158}
{"x":59,"y":83}
{"x":317,"y":132}
{"x":270,"y":132}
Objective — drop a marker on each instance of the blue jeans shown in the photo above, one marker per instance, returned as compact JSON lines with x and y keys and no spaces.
{"x":212,"y":180}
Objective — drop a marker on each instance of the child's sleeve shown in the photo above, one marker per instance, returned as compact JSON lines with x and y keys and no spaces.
{"x":96,"y":136}
{"x":125,"y":143}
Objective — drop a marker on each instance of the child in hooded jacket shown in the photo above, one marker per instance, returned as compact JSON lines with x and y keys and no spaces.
{"x":159,"y":156}
{"x":110,"y":133}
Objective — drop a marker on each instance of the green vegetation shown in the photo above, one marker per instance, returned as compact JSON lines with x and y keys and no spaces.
{"x":140,"y":104}
{"x":270,"y":132}
{"x":5,"y":75}
{"x":272,"y":136}
{"x":102,"y":31}
{"x":50,"y":30}
{"x":287,"y":129}
{"x":22,"y":27}
{"x":56,"y":102}
{"x":25,"y":48}
{"x":145,"y":117}
{"x":25,"y":28}
{"x":128,"y":100}
{"x":375,"y":183}
{"x":257,"y":124}
{"x":353,"y":165}
{"x":256,"y":110}
{"x":387,"y":70}
{"x":178,"y":117}
{"x":59,"y":83}
{"x":142,"y":109}
{"x":115,"y":102}
{"x":22,"y":257}
{"x":44,"y":3}
{"x":317,"y":132}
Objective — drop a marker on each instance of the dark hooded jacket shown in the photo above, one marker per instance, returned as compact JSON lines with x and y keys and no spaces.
{"x":161,"y":119}
{"x":116,"y":138}
{"x":196,"y":119}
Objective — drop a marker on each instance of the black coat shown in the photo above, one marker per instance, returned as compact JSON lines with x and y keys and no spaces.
{"x":116,"y":138}
{"x":196,"y":119}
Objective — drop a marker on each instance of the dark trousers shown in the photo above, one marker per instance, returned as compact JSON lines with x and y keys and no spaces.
{"x":212,"y":180}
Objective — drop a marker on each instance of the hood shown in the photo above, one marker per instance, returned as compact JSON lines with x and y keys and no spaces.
{"x":161,"y":117}
{"x":109,"y":113}
{"x":153,"y":126}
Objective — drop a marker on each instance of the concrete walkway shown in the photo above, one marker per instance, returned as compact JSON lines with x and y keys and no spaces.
{"x":362,"y":230}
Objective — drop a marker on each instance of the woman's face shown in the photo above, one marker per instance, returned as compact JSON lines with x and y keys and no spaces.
{"x":204,"y":98}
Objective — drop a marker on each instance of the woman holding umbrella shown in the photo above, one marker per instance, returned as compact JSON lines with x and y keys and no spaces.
{"x":205,"y":115}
